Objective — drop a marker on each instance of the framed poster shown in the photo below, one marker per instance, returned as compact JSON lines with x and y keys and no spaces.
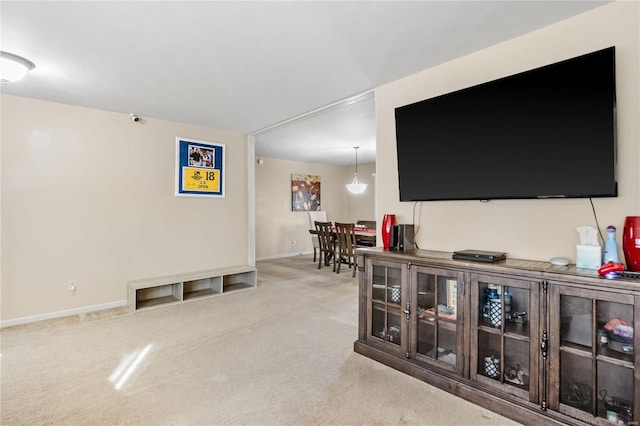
{"x":199,"y":168}
{"x":305,"y":193}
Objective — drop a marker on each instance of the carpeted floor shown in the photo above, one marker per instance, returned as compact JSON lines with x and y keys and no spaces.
{"x":281,"y":354}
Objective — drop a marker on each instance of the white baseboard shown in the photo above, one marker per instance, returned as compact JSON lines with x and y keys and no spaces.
{"x":60,"y":314}
{"x":282,"y":256}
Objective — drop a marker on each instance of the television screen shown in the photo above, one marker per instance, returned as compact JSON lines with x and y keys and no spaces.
{"x":548,"y":132}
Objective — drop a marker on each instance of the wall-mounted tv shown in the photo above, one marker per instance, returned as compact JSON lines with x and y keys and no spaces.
{"x":548,"y":132}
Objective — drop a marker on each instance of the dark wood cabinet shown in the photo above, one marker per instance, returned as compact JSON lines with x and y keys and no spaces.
{"x":593,"y":371}
{"x":538,"y":343}
{"x":435,"y":325}
{"x":504,"y":341}
{"x":386,"y":300}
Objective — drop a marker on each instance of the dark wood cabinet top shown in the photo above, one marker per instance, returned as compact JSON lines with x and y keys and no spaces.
{"x":530,"y":269}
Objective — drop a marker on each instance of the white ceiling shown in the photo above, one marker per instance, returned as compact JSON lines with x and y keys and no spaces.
{"x":245,"y":66}
{"x":332,"y":132}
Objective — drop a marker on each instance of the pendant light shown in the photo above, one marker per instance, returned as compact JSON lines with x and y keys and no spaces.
{"x":13,"y":67}
{"x":356,"y":187}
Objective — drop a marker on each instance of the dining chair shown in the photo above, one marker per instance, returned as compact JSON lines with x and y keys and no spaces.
{"x":346,"y":246}
{"x":367,"y":241}
{"x":320,"y":216}
{"x":327,"y":246}
{"x":369,"y":224}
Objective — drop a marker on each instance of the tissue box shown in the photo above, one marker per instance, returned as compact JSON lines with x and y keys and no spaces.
{"x":588,"y":256}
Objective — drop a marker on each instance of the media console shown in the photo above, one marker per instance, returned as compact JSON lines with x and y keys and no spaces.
{"x":538,"y":343}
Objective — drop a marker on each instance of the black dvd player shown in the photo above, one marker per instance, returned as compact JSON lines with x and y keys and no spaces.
{"x":479,"y":255}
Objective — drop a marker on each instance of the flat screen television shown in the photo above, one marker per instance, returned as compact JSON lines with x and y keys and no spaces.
{"x":544,"y":133}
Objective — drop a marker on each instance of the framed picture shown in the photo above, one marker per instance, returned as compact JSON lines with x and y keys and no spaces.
{"x":199,"y":168}
{"x":305,"y":193}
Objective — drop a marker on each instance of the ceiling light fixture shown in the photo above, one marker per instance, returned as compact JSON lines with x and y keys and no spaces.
{"x":356,"y":187}
{"x":13,"y":67}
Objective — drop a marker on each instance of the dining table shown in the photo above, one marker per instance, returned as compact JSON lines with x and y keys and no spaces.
{"x":364,"y":236}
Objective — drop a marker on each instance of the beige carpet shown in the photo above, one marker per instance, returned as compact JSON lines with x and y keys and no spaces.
{"x":281,"y":354}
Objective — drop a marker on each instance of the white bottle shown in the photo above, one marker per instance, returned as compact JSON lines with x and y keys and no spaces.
{"x":610,"y":246}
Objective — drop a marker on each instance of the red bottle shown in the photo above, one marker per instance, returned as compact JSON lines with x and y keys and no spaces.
{"x":387,"y":222}
{"x":631,"y":242}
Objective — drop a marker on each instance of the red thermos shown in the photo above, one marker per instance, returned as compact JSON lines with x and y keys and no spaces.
{"x":631,"y":242}
{"x":387,"y":223}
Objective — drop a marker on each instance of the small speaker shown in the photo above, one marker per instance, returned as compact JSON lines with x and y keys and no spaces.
{"x":401,"y":237}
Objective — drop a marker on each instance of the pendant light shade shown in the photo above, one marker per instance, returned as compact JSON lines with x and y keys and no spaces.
{"x":356,"y":187}
{"x":13,"y":67}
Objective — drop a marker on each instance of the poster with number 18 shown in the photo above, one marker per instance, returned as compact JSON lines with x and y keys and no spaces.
{"x":199,"y":168}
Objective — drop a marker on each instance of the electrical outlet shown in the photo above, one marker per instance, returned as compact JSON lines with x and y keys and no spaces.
{"x":72,"y":285}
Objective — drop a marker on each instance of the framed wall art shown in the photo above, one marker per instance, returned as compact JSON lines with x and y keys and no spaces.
{"x":305,"y":193}
{"x":199,"y":168}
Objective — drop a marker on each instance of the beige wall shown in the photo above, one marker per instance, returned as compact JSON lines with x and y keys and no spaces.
{"x":277,"y":226}
{"x":88,"y":195}
{"x":362,"y":206}
{"x":531,"y":229}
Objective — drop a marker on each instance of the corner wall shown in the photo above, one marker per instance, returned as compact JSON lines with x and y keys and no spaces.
{"x":88,"y":195}
{"x":277,"y":226}
{"x":528,"y":229}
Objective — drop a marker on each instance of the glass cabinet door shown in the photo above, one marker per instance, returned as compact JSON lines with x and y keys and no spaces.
{"x":437,"y":294}
{"x":592,"y":338}
{"x":504,"y":328}
{"x":387,"y":304}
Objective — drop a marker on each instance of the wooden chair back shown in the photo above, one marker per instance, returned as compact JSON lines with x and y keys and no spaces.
{"x":346,"y":240}
{"x":320,"y":216}
{"x":327,"y":247}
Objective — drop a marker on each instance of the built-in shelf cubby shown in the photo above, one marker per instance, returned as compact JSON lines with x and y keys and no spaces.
{"x":239,"y":281}
{"x":172,"y":289}
{"x":201,"y":288}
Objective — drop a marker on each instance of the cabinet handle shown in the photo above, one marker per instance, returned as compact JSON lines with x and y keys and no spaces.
{"x":544,"y":346}
{"x":407,"y":311}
